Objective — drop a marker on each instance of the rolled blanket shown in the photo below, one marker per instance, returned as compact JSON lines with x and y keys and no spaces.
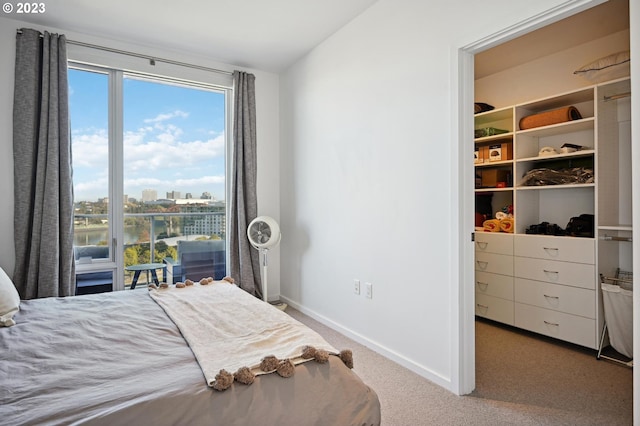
{"x":506,"y":225}
{"x":547,"y":118}
{"x":491,"y":225}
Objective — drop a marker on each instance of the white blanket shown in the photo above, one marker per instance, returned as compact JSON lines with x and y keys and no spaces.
{"x":228,"y":329}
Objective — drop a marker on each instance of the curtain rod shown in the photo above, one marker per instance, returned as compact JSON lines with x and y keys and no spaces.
{"x":152,"y":59}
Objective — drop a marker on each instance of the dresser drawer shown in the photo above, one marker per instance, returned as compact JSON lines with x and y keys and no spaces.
{"x":570,"y":328}
{"x":494,"y":308}
{"x":494,"y":263}
{"x":570,"y":300}
{"x":494,"y":242}
{"x":494,"y":285}
{"x":567,"y":249}
{"x":574,"y":274}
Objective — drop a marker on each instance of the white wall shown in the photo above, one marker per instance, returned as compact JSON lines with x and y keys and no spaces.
{"x":7,"y":64}
{"x":369,"y":184}
{"x":634,"y":18}
{"x":267,"y":93}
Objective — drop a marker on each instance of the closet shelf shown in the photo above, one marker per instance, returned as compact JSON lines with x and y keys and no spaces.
{"x":627,"y":228}
{"x":558,"y":129}
{"x":494,"y":189}
{"x":576,"y":154}
{"x":494,"y":163}
{"x":493,"y":138}
{"x":551,"y":187}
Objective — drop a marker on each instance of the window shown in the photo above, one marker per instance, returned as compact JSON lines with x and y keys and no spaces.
{"x":149,"y":168}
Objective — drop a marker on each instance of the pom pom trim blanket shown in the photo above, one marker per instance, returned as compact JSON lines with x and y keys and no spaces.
{"x":228,"y":329}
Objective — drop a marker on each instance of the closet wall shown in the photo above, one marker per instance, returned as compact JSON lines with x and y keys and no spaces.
{"x":548,"y":75}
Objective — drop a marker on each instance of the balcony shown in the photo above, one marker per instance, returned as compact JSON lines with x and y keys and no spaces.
{"x":148,"y":238}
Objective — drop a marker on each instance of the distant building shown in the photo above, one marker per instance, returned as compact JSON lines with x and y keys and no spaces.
{"x":206,"y":196}
{"x":214,"y":224}
{"x":188,"y":196}
{"x":191,"y":201}
{"x":160,"y":202}
{"x":173,"y":195}
{"x":149,"y":195}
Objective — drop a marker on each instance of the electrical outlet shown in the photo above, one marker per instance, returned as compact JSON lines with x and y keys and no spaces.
{"x":368,"y":290}
{"x":356,"y":286}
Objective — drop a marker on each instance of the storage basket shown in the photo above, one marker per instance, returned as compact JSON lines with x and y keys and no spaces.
{"x":617,"y":297}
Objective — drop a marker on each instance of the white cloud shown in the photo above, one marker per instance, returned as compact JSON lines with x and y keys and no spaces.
{"x":154,"y":157}
{"x":166,"y":153}
{"x":150,"y":182}
{"x":167,"y":116}
{"x":86,"y":190}
{"x":90,"y":149}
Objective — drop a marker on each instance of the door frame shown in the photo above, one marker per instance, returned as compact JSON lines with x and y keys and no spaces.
{"x":463,"y":296}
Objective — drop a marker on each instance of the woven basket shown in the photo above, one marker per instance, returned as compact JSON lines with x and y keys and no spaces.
{"x":548,"y":118}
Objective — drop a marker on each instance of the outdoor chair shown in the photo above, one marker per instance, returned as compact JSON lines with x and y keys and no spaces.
{"x":197,"y":259}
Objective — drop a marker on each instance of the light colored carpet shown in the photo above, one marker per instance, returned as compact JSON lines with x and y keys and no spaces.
{"x":521,"y":379}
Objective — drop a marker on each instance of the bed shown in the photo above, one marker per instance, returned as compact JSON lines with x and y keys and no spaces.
{"x":118,"y":359}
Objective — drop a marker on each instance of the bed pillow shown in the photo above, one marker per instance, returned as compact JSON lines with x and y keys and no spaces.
{"x":610,"y":67}
{"x":9,"y":300}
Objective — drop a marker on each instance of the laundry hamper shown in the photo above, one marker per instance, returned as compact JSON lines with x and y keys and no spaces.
{"x":617,"y":298}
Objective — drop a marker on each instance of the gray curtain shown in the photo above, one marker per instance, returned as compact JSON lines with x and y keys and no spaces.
{"x":244,"y":259}
{"x":43,"y":213}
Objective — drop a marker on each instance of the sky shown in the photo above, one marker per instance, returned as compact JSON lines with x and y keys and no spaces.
{"x":173,"y":137}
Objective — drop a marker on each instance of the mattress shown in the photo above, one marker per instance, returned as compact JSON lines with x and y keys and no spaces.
{"x":116,"y":358}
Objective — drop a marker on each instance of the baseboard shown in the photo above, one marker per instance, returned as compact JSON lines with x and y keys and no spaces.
{"x":382,"y":350}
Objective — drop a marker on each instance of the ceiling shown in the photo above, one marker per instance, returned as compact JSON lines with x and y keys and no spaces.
{"x":268,"y":35}
{"x":594,"y":23}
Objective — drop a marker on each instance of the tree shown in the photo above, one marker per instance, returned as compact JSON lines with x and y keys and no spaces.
{"x":144,"y":236}
{"x":130,"y":256}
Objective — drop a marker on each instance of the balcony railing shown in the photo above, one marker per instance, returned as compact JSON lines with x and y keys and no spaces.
{"x":142,"y":233}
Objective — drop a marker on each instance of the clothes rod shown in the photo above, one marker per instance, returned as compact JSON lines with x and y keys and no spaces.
{"x":152,"y":59}
{"x":613,"y":238}
{"x":618,"y":96}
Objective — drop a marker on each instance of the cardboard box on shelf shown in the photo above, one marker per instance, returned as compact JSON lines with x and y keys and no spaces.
{"x":477,"y":155}
{"x":481,"y":154}
{"x":500,"y":151}
{"x":491,"y":177}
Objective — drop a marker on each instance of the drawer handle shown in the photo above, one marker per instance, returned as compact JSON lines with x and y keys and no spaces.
{"x":482,"y":264}
{"x":550,"y":272}
{"x":551,"y":248}
{"x":553,"y":301}
{"x":482,"y":244}
{"x":482,"y":306}
{"x":481,"y":284}
{"x":555,"y":324}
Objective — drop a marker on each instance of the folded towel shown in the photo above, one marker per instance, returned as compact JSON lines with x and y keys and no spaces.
{"x":491,"y":225}
{"x":506,"y":225}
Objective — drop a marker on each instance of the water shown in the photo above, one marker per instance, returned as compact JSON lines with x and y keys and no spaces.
{"x":131,"y":234}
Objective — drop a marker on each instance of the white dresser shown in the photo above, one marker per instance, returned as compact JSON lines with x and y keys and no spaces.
{"x":494,"y":277}
{"x":555,"y":287}
{"x":543,"y":284}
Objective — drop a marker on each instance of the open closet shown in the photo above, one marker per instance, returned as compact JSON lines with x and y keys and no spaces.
{"x":553,"y":181}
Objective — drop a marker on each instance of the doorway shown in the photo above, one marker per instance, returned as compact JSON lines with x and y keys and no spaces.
{"x":466,"y":97}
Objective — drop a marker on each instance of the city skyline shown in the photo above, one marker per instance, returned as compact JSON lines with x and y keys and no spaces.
{"x":173,"y":137}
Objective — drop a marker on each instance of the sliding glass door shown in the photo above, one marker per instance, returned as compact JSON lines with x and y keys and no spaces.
{"x":149,"y":173}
